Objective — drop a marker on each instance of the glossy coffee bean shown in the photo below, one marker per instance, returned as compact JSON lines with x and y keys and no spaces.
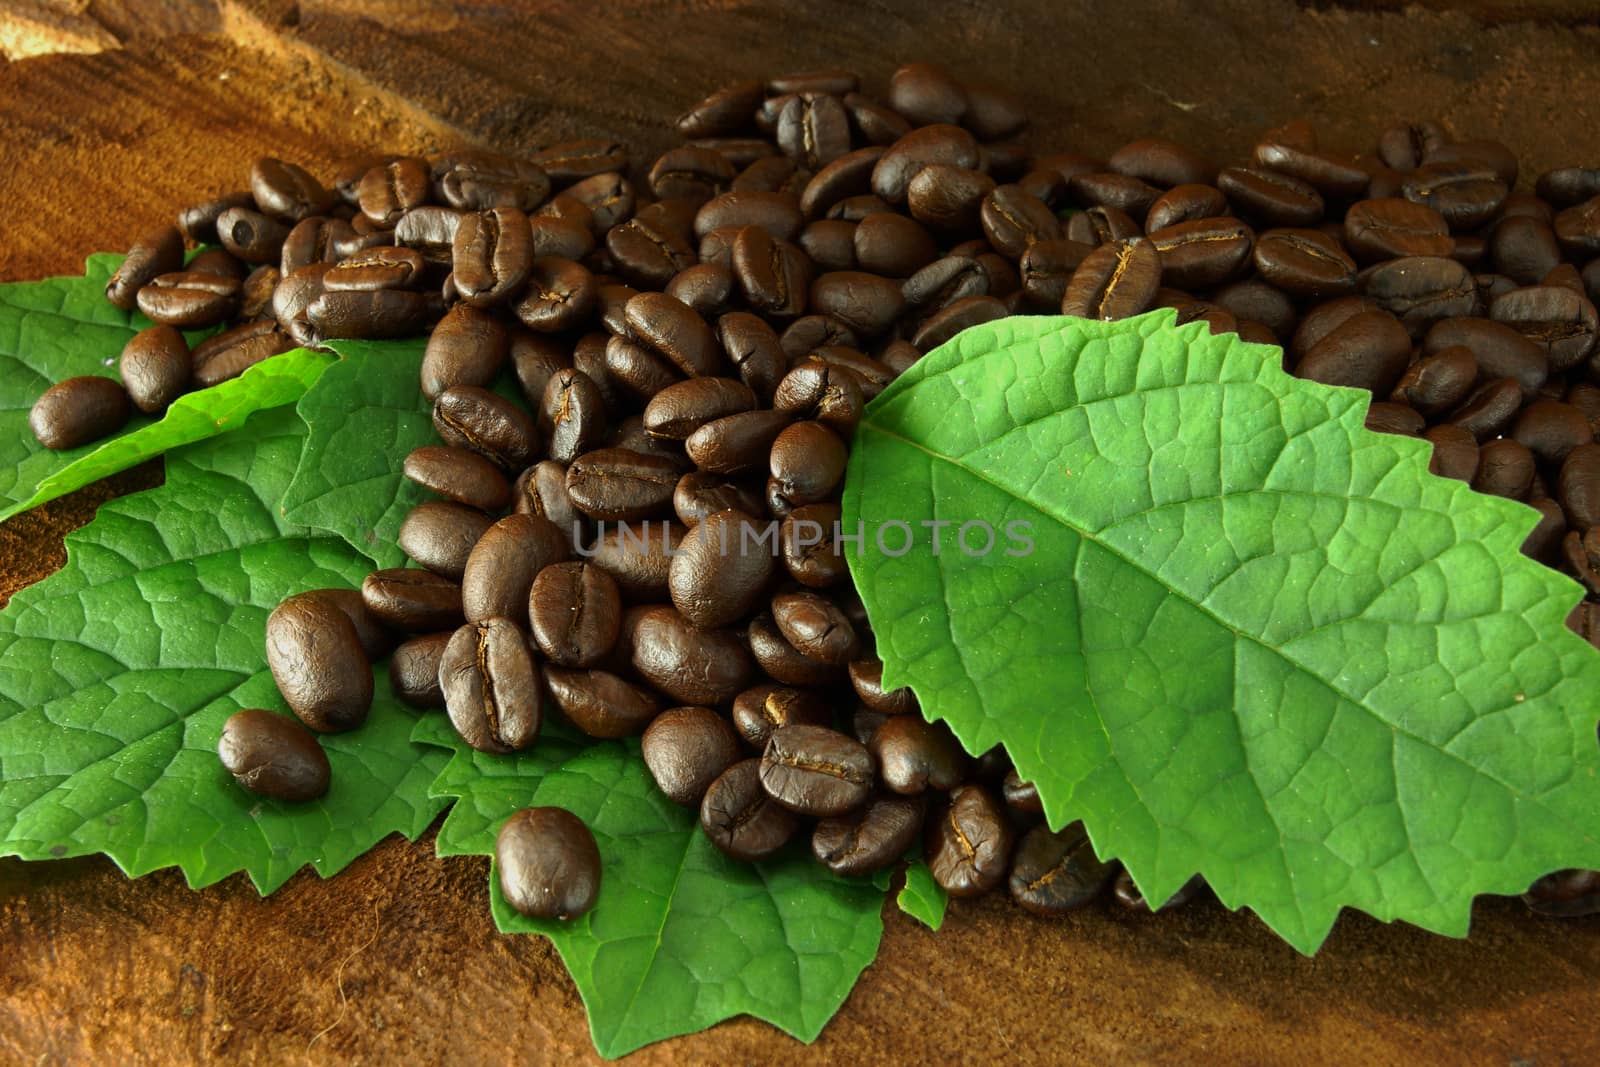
{"x":491,"y":255}
{"x":1455,"y":452}
{"x":650,"y":247}
{"x":79,"y":410}
{"x":287,"y":190}
{"x":1269,"y":198}
{"x":929,"y":145}
{"x":866,"y":676}
{"x":737,"y":444}
{"x":813,"y":770}
{"x":782,"y":661}
{"x":1013,"y":219}
{"x":374,"y":314}
{"x":1057,"y":871}
{"x":547,"y":863}
{"x":190,"y":300}
{"x":600,"y":703}
{"x":1394,"y":228}
{"x":753,"y":348}
{"x":440,"y":535}
{"x":968,"y":842}
{"x":154,"y":368}
{"x":1498,"y":350}
{"x":741,"y":819}
{"x":1127,"y":894}
{"x":1524,"y":249}
{"x":722,"y":569}
{"x":701,"y":493}
{"x":572,"y":415}
{"x":491,"y":687}
{"x":1505,"y":468}
{"x":870,"y":839}
{"x":273,"y":756}
{"x":810,"y":550}
{"x":1551,"y":429}
{"x":689,"y":665}
{"x":1555,"y":318}
{"x":686,"y":749}
{"x":1308,"y":264}
{"x":414,"y":670}
{"x":1204,"y":252}
{"x":759,"y":711}
{"x":1420,"y":290}
{"x":411,"y":600}
{"x":467,"y":347}
{"x":1021,"y":795}
{"x":1578,"y":486}
{"x":313,"y":240}
{"x":708,"y":289}
{"x":1489,"y":409}
{"x":1116,"y":281}
{"x":806,"y":464}
{"x":251,"y":236}
{"x":198,"y":222}
{"x":1161,"y":162}
{"x":621,"y":485}
{"x":914,"y":755}
{"x":317,"y":660}
{"x":459,"y":475}
{"x":1565,"y":894}
{"x":638,"y":555}
{"x":229,"y":354}
{"x":674,"y":331}
{"x":1368,"y":351}
{"x":501,"y":566}
{"x":815,"y":627}
{"x":575,"y":610}
{"x":560,"y":295}
{"x":152,"y":255}
{"x":1439,"y":382}
{"x":866,"y":303}
{"x":473,"y":418}
{"x":1467,"y":194}
{"x":1333,"y":177}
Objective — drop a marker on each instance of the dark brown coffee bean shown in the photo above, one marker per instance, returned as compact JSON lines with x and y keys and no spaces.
{"x":414,"y":670}
{"x":440,"y":534}
{"x":638,"y":556}
{"x":1046,"y":268}
{"x":79,"y":410}
{"x":810,"y":551}
{"x":1565,"y":894}
{"x":470,"y":417}
{"x":847,"y":176}
{"x":1203,"y":253}
{"x":198,"y":223}
{"x":1579,"y":556}
{"x":1393,"y":229}
{"x":1102,"y":225}
{"x":806,"y":463}
{"x":154,"y":368}
{"x":680,"y":409}
{"x":777,"y":213}
{"x":815,"y":627}
{"x":1162,"y":162}
{"x":384,"y":267}
{"x":413,"y":601}
{"x":1543,"y":542}
{"x":152,"y":255}
{"x":1578,"y":486}
{"x":1420,"y":290}
{"x":491,"y":255}
{"x":813,"y":770}
{"x":830,"y":244}
{"x":317,"y":660}
{"x":635,"y":372}
{"x":575,"y":609}
{"x":547,"y":863}
{"x":1269,"y":198}
{"x":726,"y":111}
{"x":1126,"y":194}
{"x":740,"y":819}
{"x":560,"y":295}
{"x":934,"y":144}
{"x":690,"y":173}
{"x":287,"y":191}
{"x":758,"y":712}
{"x":1405,"y":147}
{"x":1505,"y":468}
{"x":221,"y":261}
{"x":814,"y":389}
{"x":689,"y":665}
{"x":1455,"y":452}
{"x":1489,"y":409}
{"x":571,"y":161}
{"x":500,"y":568}
{"x":700,"y":493}
{"x":866,"y":676}
{"x":813,"y":129}
{"x":686,"y":749}
{"x":572,"y":415}
{"x":616,"y":484}
{"x":869,"y":839}
{"x":1437,"y":383}
{"x":1466,"y":193}
{"x":914,"y":756}
{"x":736,"y":444}
{"x":926,"y":94}
{"x":1185,"y":203}
{"x":1552,"y":429}
{"x":1020,"y":795}
{"x":866,"y":303}
{"x":1324,"y":318}
{"x":229,"y":354}
{"x":467,"y":347}
{"x":1116,"y":281}
{"x":600,"y":703}
{"x":374,"y":314}
{"x":190,"y":300}
{"x":1524,"y":248}
{"x":483,"y":181}
{"x":255,"y":293}
{"x":251,"y":236}
{"x":389,"y":190}
{"x":782,"y":661}
{"x":753,"y":347}
{"x":673,"y":330}
{"x":314,"y":240}
{"x":552,"y":236}
{"x":1304,"y":263}
{"x":430,"y":231}
{"x":273,"y":756}
{"x":722,"y":569}
{"x":375,"y":639}
{"x":1368,"y":351}
{"x":805,"y":335}
{"x":774,"y":275}
{"x":1057,"y":871}
{"x":1555,"y":318}
{"x":1013,"y":219}
{"x":708,"y":290}
{"x":491,"y":687}
{"x":1500,"y":351}
{"x":968,"y":843}
{"x":891,"y":245}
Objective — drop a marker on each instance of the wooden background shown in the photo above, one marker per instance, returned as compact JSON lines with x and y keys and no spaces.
{"x":113,"y":113}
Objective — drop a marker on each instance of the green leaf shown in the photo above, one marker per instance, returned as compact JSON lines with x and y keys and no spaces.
{"x":365,"y":414}
{"x":64,"y":327}
{"x":921,"y":897}
{"x":117,"y":672}
{"x":1251,"y":638}
{"x":682,"y":937}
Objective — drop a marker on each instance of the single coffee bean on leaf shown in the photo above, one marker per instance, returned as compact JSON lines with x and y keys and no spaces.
{"x":273,"y":756}
{"x":316,"y":658}
{"x":548,"y":864}
{"x":79,"y":410}
{"x":686,"y":749}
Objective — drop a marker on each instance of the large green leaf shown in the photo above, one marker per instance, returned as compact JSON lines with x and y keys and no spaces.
{"x":117,"y":672}
{"x":365,"y":414}
{"x":1250,"y":639}
{"x":681,"y":937}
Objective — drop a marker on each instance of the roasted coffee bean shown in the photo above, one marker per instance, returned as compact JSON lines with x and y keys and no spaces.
{"x":759,"y":711}
{"x":874,"y":122}
{"x":1012,"y":219}
{"x":848,"y":176}
{"x":1544,"y":540}
{"x":814,"y":389}
{"x":575,"y":609}
{"x":500,"y":567}
{"x":491,"y":687}
{"x":1500,"y":351}
{"x":1505,"y":468}
{"x":968,"y":842}
{"x":680,"y":409}
{"x":1115,"y":281}
{"x":690,"y":173}
{"x":892,"y":245}
{"x":726,"y":111}
{"x":255,"y":293}
{"x":929,"y":145}
{"x":686,"y":749}
{"x":1439,"y":382}
{"x":808,"y":333}
{"x":1185,"y":203}
{"x":944,"y":281}
{"x":1524,"y":249}
{"x":1565,"y":894}
{"x":1387,"y":417}
{"x":600,"y":703}
{"x":375,"y":268}
{"x":229,"y":354}
{"x":815,"y":627}
{"x":220,"y":261}
{"x":287,"y":190}
{"x":548,"y":864}
{"x":570,"y":161}
{"x":1369,"y":350}
{"x":572,"y":415}
{"x":811,"y":552}
{"x":413,"y":601}
{"x":1455,"y":452}
{"x":1555,"y":318}
{"x":774,"y":275}
{"x":1420,"y":290}
{"x":950,"y":199}
{"x":914,"y":755}
{"x":866,"y":303}
{"x":1102,"y":225}
{"x":467,"y":347}
{"x":1270,"y":198}
{"x":1101,"y":189}
{"x":375,"y":639}
{"x":1020,"y":795}
{"x":470,"y":417}
{"x":483,"y":181}
{"x":806,"y":463}
{"x":152,"y":255}
{"x":1577,"y":228}
{"x":926,"y":94}
{"x":830,"y":244}
{"x":616,"y":484}
{"x":741,"y":819}
{"x":871,"y":838}
{"x":414,"y":670}
{"x":198,"y":223}
{"x":1057,"y":871}
{"x":866,"y":676}
{"x":753,"y":347}
{"x":737,"y":444}
{"x":609,"y":197}
{"x":430,"y":231}
{"x":560,"y":295}
{"x":812,"y":128}
{"x":813,"y":770}
{"x":707,"y":289}
{"x":1256,"y":301}
{"x":701,"y":493}
{"x":1203,"y":253}
{"x":313,"y":240}
{"x":1565,"y":186}
{"x":782,"y":661}
{"x":79,"y":410}
{"x":689,"y":665}
{"x":1338,"y":179}
{"x":1405,"y":147}
{"x":1563,"y":276}
{"x":951,"y":319}
{"x":672,"y":330}
{"x":190,"y":300}
{"x":251,"y":236}
{"x":1578,"y":486}
{"x":638,"y":556}
{"x":1552,"y":429}
{"x":551,"y":236}
{"x":491,"y":255}
{"x":317,"y":660}
{"x":389,"y":190}
{"x":635,"y":370}
{"x":1393,"y":228}
{"x":777,"y":213}
{"x":1161,"y":162}
{"x":1304,"y":263}
{"x":273,"y":756}
{"x":1466,"y":193}
{"x":1579,"y":556}
{"x":154,"y":368}
{"x":1489,"y":409}
{"x":374,"y":314}
{"x":1047,"y":266}
{"x":721,"y":570}
{"x":440,"y":535}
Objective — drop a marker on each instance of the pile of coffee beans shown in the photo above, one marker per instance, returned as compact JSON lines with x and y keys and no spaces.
{"x":639,"y":534}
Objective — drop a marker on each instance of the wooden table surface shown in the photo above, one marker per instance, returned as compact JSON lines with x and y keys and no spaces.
{"x":114,"y":113}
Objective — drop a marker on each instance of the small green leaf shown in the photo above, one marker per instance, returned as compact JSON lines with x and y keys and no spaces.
{"x":921,"y":897}
{"x":682,"y":937}
{"x":365,"y":414}
{"x":1239,"y":633}
{"x":117,"y":672}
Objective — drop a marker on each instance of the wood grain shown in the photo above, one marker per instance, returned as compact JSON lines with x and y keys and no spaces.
{"x":396,"y":960}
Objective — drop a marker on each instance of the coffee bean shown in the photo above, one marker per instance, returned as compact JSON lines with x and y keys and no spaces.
{"x":459,"y":475}
{"x":1578,"y":486}
{"x":440,"y":535}
{"x":1387,"y":417}
{"x":490,"y":686}
{"x":251,"y":236}
{"x":686,"y":749}
{"x":1420,"y":290}
{"x":1565,"y":894}
{"x":870,"y":839}
{"x":375,"y":268}
{"x":1020,"y":795}
{"x":373,"y":314}
{"x":198,"y":223}
{"x":1544,"y":541}
{"x":878,"y":124}
{"x":317,"y":661}
{"x":1012,"y":219}
{"x":375,"y":639}
{"x":753,"y":347}
{"x":221,"y":261}
{"x":1057,"y":871}
{"x":721,"y":570}
{"x":287,"y":190}
{"x":914,"y":755}
{"x":708,"y":290}
{"x":968,"y":843}
{"x":1101,"y":189}
{"x":1047,"y":266}
{"x":1499,"y":350}
{"x":1203,"y":253}
{"x":736,"y":444}
{"x":152,"y":255}
{"x":616,"y":484}
{"x":1115,"y":281}
{"x":229,"y":354}
{"x":1270,"y":198}
{"x":929,"y":145}
{"x":313,"y":240}
{"x":414,"y":601}
{"x":482,"y":181}
{"x":926,"y":94}
{"x":575,"y":609}
{"x":468,"y":347}
{"x":1185,"y":203}
{"x":672,"y":330}
{"x":491,"y":255}
{"x":813,"y":770}
{"x":1393,"y":228}
{"x":1439,"y":382}
{"x":1552,"y":429}
{"x":500,"y":567}
{"x":570,"y":161}
{"x":1304,"y":263}
{"x":806,"y":464}
{"x":1467,"y":194}
{"x":638,"y":556}
{"x":154,"y":368}
{"x":813,"y":129}
{"x":600,"y":703}
{"x":414,"y":670}
{"x":759,"y":711}
{"x":1524,"y":248}
{"x":1555,"y":318}
{"x":547,"y":863}
{"x":1489,"y":409}
{"x":572,"y":415}
{"x":866,"y":303}
{"x":273,"y":756}
{"x":740,"y":819}
{"x":830,"y":244}
{"x":471,"y":417}
{"x":815,"y":627}
{"x":866,"y":676}
{"x":1369,"y":350}
{"x":190,"y":300}
{"x":689,"y":665}
{"x":1455,"y":452}
{"x":1505,"y":468}
{"x":79,"y":410}
{"x":1161,"y":162}
{"x":774,"y":275}
{"x":810,"y":552}
{"x":1102,"y":225}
